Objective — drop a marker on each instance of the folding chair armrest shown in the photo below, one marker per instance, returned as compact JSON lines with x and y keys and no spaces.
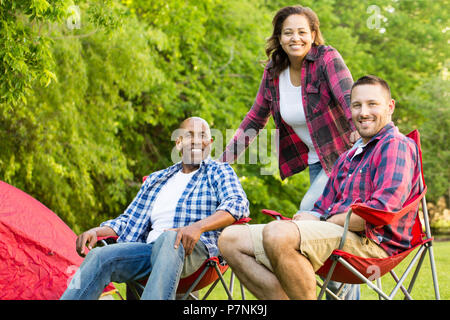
{"x":107,"y":240}
{"x":242,"y":221}
{"x":346,"y":225}
{"x":274,"y":214}
{"x":379,"y":217}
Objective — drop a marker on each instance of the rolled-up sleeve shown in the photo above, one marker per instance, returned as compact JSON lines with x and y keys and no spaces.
{"x":339,"y":80}
{"x":256,"y":119}
{"x":231,"y":195}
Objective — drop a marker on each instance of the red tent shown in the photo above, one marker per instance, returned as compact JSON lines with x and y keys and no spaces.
{"x":37,"y":249}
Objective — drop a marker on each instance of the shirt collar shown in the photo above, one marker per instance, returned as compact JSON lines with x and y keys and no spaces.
{"x":313,"y":54}
{"x":359,"y":145}
{"x":382,"y":132}
{"x":178,"y":166}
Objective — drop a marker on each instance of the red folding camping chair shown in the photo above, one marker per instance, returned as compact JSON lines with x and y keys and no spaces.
{"x":210,"y":272}
{"x":347,"y":268}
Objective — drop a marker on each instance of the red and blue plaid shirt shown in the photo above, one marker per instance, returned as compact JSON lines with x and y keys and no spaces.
{"x":326,"y":84}
{"x":383,"y":176}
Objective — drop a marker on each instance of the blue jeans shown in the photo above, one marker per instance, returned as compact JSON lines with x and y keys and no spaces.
{"x":318,"y":179}
{"x":123,"y":262}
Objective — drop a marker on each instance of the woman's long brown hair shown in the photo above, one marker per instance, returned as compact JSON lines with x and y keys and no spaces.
{"x":274,"y":51}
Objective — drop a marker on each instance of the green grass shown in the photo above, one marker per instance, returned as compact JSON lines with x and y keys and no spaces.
{"x":423,"y":288}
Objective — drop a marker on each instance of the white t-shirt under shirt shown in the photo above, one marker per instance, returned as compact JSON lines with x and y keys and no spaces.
{"x":292,"y":112}
{"x":163,"y":211}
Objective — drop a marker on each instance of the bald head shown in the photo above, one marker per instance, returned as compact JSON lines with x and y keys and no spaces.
{"x":194,"y":140}
{"x":196,"y":121}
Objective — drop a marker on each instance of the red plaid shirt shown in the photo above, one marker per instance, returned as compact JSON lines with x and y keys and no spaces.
{"x":326,"y":84}
{"x":383,"y":176}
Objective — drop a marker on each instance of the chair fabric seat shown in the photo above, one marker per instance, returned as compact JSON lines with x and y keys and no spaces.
{"x":371,"y":268}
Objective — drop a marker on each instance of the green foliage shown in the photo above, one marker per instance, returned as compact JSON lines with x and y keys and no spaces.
{"x":430,"y":102}
{"x":24,"y":52}
{"x":91,"y":91}
{"x":59,"y":143}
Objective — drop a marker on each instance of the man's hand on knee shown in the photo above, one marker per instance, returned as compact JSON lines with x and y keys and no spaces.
{"x":188,"y":236}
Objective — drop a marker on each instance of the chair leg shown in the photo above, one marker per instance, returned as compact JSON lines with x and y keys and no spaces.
{"x":430,"y":247}
{"x":416,"y":272}
{"x":211,"y":288}
{"x":230,"y":296}
{"x":361,"y":276}
{"x":342,"y":292}
{"x":242,"y":291}
{"x":379,"y":286}
{"x":405,"y":292}
{"x":405,"y":274}
{"x":232,"y":286}
{"x":331,"y":293}
{"x":232,"y":282}
{"x":434,"y":273}
{"x":200,"y":277}
{"x":325,"y":283}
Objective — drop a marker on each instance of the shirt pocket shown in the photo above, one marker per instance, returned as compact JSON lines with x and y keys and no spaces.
{"x":313,"y":97}
{"x":362,"y":182}
{"x":311,"y":89}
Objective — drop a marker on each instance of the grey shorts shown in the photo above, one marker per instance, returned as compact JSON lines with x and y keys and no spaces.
{"x":318,"y":240}
{"x":195,"y":260}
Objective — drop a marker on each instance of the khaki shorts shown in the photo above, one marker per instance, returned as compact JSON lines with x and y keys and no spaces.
{"x":318,"y":240}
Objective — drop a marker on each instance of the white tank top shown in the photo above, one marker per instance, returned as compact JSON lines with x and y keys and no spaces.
{"x":292,"y":112}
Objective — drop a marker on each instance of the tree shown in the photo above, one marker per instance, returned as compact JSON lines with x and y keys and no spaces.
{"x":431,"y":102}
{"x":91,"y":93}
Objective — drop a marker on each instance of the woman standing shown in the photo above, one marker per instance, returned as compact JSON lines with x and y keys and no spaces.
{"x":306,"y":88}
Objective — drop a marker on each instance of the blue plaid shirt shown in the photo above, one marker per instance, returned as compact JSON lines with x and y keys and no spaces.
{"x":215,"y":186}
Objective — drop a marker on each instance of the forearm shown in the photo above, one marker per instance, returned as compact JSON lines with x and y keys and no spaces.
{"x":340,"y":82}
{"x":243,"y":137}
{"x":89,"y":238}
{"x":253,"y":122}
{"x":104,"y":232}
{"x":220,"y":219}
{"x":356,"y":223}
